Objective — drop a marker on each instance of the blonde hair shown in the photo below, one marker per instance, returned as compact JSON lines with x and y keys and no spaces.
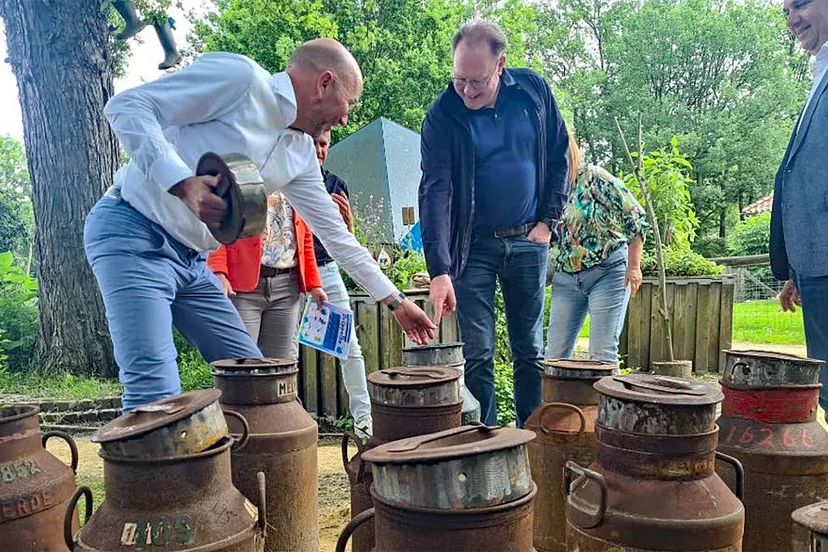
{"x":574,"y":158}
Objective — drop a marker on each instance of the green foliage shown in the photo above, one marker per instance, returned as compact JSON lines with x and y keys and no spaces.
{"x":679,"y":262}
{"x":666,"y":172}
{"x":16,"y":213}
{"x":407,"y":263}
{"x":710,"y":246}
{"x":36,"y":384}
{"x":18,"y":311}
{"x":751,"y":236}
{"x":192,"y":368}
{"x":504,"y":378}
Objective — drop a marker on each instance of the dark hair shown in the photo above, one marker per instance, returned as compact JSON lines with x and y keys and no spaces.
{"x":480,"y":30}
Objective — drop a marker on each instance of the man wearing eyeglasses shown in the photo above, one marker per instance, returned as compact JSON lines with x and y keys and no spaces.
{"x":494,"y":162}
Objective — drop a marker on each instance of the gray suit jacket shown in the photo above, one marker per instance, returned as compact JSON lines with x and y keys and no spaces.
{"x":799,"y":219}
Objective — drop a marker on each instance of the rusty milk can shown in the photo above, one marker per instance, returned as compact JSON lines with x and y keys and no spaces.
{"x":653,"y":486}
{"x":405,"y":402}
{"x":446,"y":354}
{"x":35,"y":487}
{"x":769,"y":423}
{"x":813,"y":519}
{"x":177,"y":503}
{"x":282,"y":444}
{"x":565,"y":426}
{"x":467,"y":488}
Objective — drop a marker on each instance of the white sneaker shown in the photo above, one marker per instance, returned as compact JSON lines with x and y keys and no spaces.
{"x":364,"y":427}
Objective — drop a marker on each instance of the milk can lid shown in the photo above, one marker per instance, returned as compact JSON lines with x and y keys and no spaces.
{"x":414,"y":376}
{"x":577,"y":368}
{"x":434,"y":346}
{"x":458,"y":442}
{"x":813,"y":516}
{"x":154,"y":415}
{"x":254,"y":366}
{"x":652,"y":389}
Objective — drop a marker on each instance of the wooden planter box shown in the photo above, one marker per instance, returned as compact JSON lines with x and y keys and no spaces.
{"x":381,"y":339}
{"x":702,"y":323}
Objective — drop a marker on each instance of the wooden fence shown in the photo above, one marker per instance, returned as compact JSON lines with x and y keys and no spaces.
{"x":702,"y":323}
{"x":381,"y":339}
{"x":702,"y":314}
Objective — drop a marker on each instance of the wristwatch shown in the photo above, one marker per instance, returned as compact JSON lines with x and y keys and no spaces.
{"x":396,"y":301}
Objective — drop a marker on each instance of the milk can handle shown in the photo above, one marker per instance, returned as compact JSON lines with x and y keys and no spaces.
{"x":69,"y":441}
{"x":737,"y":365}
{"x":597,"y":518}
{"x":360,"y":470}
{"x":740,"y":472}
{"x":262,"y":505}
{"x":352,"y":526}
{"x":566,"y":406}
{"x":239,"y":443}
{"x":86,"y":492}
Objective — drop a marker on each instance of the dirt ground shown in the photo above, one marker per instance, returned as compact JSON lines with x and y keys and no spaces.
{"x":334,"y":501}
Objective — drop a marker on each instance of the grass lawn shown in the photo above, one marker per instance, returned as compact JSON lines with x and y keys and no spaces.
{"x":33,"y":384}
{"x":759,"y":322}
{"x":764,"y":322}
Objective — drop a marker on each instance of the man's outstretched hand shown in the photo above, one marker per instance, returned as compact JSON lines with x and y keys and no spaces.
{"x":197,"y":193}
{"x":414,"y":322}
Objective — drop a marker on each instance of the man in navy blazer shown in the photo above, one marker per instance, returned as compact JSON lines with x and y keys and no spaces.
{"x":799,"y":221}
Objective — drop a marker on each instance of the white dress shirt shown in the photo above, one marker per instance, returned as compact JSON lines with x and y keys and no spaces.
{"x":820,"y":67}
{"x":227,"y":103}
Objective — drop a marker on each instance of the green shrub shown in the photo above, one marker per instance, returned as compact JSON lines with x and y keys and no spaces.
{"x":679,"y":262}
{"x":18,"y":312}
{"x":711,"y":246}
{"x":750,"y":236}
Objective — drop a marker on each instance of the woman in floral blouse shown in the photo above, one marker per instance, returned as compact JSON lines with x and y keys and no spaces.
{"x":596,"y":261}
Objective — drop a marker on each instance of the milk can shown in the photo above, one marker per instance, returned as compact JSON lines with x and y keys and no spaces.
{"x":467,"y":488}
{"x":565,"y":426}
{"x":814,"y":520}
{"x":35,"y":487}
{"x":653,"y":486}
{"x":446,"y":354}
{"x":769,"y":423}
{"x":405,"y":402}
{"x":282,"y":444}
{"x":183,"y":501}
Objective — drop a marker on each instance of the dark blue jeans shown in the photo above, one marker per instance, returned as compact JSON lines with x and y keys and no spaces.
{"x":814,"y":292}
{"x":520,"y":266}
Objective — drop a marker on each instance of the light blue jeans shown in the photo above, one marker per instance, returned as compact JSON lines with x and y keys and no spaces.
{"x":600,"y":291}
{"x":353,"y":369}
{"x":150,"y":282}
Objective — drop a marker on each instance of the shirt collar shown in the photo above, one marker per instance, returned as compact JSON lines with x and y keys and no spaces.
{"x":282,"y":88}
{"x":821,"y":59}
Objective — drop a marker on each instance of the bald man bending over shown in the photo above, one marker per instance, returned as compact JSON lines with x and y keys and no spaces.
{"x":148,"y":237}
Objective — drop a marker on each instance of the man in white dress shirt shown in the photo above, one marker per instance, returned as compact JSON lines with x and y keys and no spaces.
{"x":148,"y":237}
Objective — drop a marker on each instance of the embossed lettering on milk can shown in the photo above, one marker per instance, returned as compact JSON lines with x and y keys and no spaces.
{"x":653,"y":486}
{"x":467,"y":488}
{"x":769,"y":423}
{"x":565,"y":425}
{"x":35,"y":487}
{"x":283,"y":439}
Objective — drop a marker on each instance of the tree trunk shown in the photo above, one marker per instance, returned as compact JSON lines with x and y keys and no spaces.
{"x":59,"y":52}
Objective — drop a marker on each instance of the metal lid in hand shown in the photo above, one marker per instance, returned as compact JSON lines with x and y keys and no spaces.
{"x":646,"y":388}
{"x":158,"y":414}
{"x":414,"y":376}
{"x":570,"y":368}
{"x":457,"y":442}
{"x":254,"y":366}
{"x":242,"y":187}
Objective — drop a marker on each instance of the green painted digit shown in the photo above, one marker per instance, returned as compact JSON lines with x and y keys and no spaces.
{"x":183,"y":529}
{"x":7,"y":473}
{"x":160,"y":531}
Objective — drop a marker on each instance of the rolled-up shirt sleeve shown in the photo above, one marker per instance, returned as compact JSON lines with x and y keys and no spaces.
{"x":307,"y":194}
{"x":208,"y":89}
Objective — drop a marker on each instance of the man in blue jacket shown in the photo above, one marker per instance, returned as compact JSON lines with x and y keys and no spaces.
{"x":799,"y":220}
{"x":494,"y":162}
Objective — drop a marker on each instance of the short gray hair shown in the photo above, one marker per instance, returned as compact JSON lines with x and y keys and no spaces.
{"x":480,"y":30}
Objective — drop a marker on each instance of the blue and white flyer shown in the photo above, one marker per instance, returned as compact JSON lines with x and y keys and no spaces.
{"x":326,"y":328}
